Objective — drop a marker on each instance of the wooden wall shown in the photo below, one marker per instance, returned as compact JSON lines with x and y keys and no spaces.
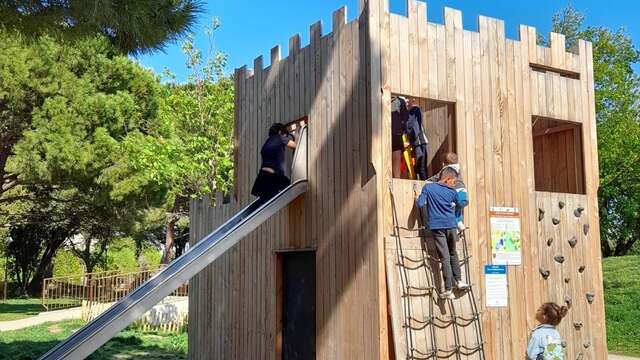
{"x":343,"y":81}
{"x":498,"y":85}
{"x":233,"y":303}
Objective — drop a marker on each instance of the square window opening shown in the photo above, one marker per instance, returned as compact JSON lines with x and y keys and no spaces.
{"x":428,"y":144}
{"x":558,"y":156}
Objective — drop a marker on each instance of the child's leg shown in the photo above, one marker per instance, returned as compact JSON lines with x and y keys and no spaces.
{"x":421,"y":166}
{"x":440,"y":238}
{"x":452,"y":239}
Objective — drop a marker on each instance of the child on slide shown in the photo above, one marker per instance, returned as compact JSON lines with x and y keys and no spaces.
{"x":451,"y":162}
{"x":545,"y":342}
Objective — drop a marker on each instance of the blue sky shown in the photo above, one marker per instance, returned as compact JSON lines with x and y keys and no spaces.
{"x":252,"y":27}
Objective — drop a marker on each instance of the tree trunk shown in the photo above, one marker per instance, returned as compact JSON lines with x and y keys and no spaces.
{"x":168,"y":244}
{"x":44,"y":268}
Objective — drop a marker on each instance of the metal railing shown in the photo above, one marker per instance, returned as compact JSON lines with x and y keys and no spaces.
{"x":98,"y":287}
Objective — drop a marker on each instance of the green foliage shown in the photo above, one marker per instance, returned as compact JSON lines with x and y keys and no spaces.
{"x":32,"y":342}
{"x":131,"y":26}
{"x":617,"y":95}
{"x":66,"y":263}
{"x":121,"y":256}
{"x":68,"y":112}
{"x":622,"y":303}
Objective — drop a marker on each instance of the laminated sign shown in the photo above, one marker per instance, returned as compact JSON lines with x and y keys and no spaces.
{"x":506,"y":244}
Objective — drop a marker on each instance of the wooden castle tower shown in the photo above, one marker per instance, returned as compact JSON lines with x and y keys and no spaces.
{"x":520,"y":116}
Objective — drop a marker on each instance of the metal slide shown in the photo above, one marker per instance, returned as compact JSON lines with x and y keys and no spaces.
{"x":90,"y":337}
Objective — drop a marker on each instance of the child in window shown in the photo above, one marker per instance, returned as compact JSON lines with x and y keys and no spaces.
{"x":417,"y":138}
{"x":545,"y":341}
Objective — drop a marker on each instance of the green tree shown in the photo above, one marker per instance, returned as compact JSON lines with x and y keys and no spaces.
{"x":617,"y":95}
{"x":68,"y":112}
{"x":191,"y":153}
{"x":131,"y":26}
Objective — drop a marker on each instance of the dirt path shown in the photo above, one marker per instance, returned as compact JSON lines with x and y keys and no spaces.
{"x":43,"y":317}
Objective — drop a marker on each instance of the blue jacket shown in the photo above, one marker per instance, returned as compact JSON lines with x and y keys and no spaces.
{"x":463,"y":199}
{"x":441,"y":202}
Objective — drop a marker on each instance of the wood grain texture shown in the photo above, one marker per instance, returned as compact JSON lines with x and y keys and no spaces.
{"x":481,"y":93}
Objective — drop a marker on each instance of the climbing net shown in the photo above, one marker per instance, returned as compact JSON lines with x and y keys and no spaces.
{"x":428,"y":325}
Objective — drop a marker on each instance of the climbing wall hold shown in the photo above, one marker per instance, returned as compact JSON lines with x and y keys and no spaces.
{"x":555,"y":221}
{"x":561,"y":204}
{"x":590,"y":297}
{"x":549,"y":241}
{"x":587,"y":344}
{"x":578,"y":325}
{"x":545,"y":273}
{"x":559,"y":258}
{"x":567,"y":301}
{"x":585,"y":229}
{"x":581,"y":269}
{"x":573,"y":241}
{"x":540,"y":214}
{"x":564,"y":343}
{"x":580,"y":356}
{"x":578,"y":212}
{"x":566,"y":280}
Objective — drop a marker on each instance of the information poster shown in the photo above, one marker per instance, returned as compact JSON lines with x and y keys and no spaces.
{"x":495,"y":285}
{"x":506,"y":244}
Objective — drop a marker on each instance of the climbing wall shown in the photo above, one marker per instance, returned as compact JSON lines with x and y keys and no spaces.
{"x":567,"y":271}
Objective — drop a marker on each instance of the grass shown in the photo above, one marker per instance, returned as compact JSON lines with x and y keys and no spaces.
{"x":32,"y":342}
{"x":16,"y":309}
{"x":622,"y":303}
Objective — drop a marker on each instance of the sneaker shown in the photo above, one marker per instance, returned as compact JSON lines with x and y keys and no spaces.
{"x":461,"y":226}
{"x":461,"y":285}
{"x":448,"y":294}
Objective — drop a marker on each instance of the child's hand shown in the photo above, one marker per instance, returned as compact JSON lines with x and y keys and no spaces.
{"x":406,"y":144}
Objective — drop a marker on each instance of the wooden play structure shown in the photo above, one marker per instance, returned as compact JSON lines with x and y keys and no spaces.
{"x":346,"y":271}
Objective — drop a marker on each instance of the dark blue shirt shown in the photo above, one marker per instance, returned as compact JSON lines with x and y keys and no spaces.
{"x":273,"y":152}
{"x":441,"y":202}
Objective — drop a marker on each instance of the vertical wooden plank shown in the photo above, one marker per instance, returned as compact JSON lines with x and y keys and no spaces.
{"x":442,"y":63}
{"x":404,"y":60}
{"x":423,"y":50}
{"x":412,"y":44}
{"x":432,"y":54}
{"x":394,"y":53}
{"x":451,"y":19}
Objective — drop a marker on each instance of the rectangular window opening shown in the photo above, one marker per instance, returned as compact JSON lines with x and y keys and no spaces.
{"x":558,"y":156}
{"x":438,"y":127}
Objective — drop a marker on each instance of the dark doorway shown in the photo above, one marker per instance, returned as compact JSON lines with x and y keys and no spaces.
{"x":298,"y":304}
